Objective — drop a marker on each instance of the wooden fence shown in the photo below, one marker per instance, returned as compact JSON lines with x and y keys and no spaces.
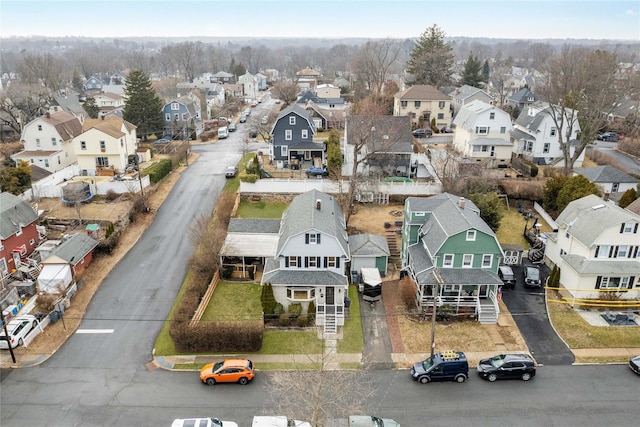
{"x":204,"y":302}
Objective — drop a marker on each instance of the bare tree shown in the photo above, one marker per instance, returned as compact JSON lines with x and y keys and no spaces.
{"x":580,"y":87}
{"x":374,"y":60}
{"x":46,"y":70}
{"x":286,"y":91}
{"x":318,"y":395}
{"x":21,"y":103}
{"x":187,"y":56}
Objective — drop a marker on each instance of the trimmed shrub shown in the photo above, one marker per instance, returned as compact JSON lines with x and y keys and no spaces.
{"x":534,"y":171}
{"x":408,"y":293}
{"x":311,"y":311}
{"x":267,"y":299}
{"x":250,"y":178}
{"x":158,"y":171}
{"x":218,"y":337}
{"x":278,"y":309}
{"x":284,"y":319}
{"x":294,"y":310}
{"x":302,"y":321}
{"x":627,"y":198}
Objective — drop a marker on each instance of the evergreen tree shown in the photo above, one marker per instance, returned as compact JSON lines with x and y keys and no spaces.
{"x":575,"y":188}
{"x":144,"y":107}
{"x":15,"y":179}
{"x":76,"y":82}
{"x":627,"y":198}
{"x":486,"y":71}
{"x":431,"y":60}
{"x":267,"y":299}
{"x":472,"y":74}
{"x":491,"y":208}
{"x":91,"y":107}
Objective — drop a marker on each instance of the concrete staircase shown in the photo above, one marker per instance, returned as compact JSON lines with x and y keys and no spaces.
{"x":330,"y":324}
{"x":487,"y":315}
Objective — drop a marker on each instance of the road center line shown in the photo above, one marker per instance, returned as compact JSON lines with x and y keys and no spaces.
{"x":94,"y":331}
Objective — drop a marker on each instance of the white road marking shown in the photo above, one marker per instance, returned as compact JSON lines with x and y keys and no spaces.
{"x":94,"y":331}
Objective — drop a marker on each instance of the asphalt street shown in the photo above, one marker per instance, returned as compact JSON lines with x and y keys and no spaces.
{"x":623,"y":160}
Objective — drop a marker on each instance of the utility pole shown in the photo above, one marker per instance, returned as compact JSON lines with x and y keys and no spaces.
{"x":6,"y":334}
{"x":436,"y":294}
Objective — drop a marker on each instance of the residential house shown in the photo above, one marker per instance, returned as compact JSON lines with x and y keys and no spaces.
{"x":250,"y":86}
{"x":213,"y":92}
{"x":483,"y":133}
{"x":368,"y":251}
{"x":47,"y":141}
{"x":451,"y":253}
{"x":623,"y":110}
{"x":521,"y":99}
{"x":105,"y":145}
{"x":423,"y":103}
{"x":18,"y":232}
{"x":66,"y":262}
{"x":634,"y":206}
{"x":535,"y":135}
{"x":467,"y":94}
{"x":68,"y":101}
{"x":597,"y":250}
{"x":224,"y":78}
{"x":292,"y":135}
{"x":307,"y":79}
{"x":326,"y":118}
{"x":108,"y":102}
{"x":309,"y":263}
{"x":272,"y":75}
{"x":183,"y":115}
{"x":384,"y":145}
{"x":325,"y":103}
{"x":327,"y":91}
{"x":93,"y":84}
{"x":233,"y":90}
{"x":261,"y":81}
{"x":609,"y":179}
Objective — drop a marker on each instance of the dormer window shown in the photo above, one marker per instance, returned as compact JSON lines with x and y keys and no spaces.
{"x":471,"y":235}
{"x":629,"y":228}
{"x":292,"y":120}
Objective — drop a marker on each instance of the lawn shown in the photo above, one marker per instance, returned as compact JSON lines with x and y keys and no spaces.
{"x":261,"y":209}
{"x":512,"y":228}
{"x":353,"y":337}
{"x":234,"y":301}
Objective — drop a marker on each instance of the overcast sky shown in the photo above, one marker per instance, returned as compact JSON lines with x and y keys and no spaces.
{"x":536,"y":19}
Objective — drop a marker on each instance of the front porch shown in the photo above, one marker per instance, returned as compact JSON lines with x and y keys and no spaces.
{"x":480,"y":300}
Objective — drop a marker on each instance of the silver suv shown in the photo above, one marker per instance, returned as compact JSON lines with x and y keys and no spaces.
{"x":532,"y":277}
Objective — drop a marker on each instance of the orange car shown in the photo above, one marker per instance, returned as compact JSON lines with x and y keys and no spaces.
{"x":228,"y":371}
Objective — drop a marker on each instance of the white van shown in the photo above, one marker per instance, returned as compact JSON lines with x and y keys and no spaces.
{"x":223,"y":132}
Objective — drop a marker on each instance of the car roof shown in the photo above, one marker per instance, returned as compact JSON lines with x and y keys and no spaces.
{"x":518,"y":356}
{"x":236,"y":362}
{"x":506,"y":268}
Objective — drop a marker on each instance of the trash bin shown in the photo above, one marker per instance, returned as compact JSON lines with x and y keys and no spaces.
{"x":347,"y":302}
{"x":54,"y":316}
{"x":354,"y":277}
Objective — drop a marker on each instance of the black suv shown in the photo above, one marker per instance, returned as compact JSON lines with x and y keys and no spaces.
{"x":532,"y":277}
{"x":507,"y":366}
{"x":608,"y":136}
{"x":445,"y":366}
{"x":422,"y":133}
{"x":506,"y":275}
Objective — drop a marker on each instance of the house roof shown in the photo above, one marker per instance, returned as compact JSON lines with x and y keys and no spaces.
{"x":296,"y":109}
{"x":302,"y":216}
{"x":460,"y":276}
{"x":583,"y":265}
{"x":250,"y":245}
{"x":14,"y":213}
{"x":469,"y":113}
{"x":308,"y":72}
{"x":466,"y":91}
{"x":422,"y":92}
{"x":37,"y":173}
{"x":606,"y":174}
{"x":587,"y":217}
{"x":75,"y":248}
{"x":520,"y":134}
{"x":223,"y":74}
{"x":67,"y":125}
{"x":522,"y":96}
{"x":368,"y":245}
{"x":69,"y":103}
{"x":111,"y":125}
{"x":390,"y":134}
{"x":272,"y":274}
{"x":490,"y":141}
{"x":634,"y":206}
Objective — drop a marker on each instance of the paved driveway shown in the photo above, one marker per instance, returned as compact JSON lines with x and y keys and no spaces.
{"x":528,"y":309}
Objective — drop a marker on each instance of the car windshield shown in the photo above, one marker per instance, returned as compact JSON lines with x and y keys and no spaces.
{"x":427,"y":364}
{"x":533,"y":273}
{"x":217,"y":366}
{"x":497,"y":361}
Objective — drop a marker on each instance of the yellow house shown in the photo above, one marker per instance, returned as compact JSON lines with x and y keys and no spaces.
{"x":422,"y":103}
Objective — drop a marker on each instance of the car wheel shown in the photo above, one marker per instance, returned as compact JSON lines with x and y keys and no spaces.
{"x":526,"y":376}
{"x":20,"y":342}
{"x":492,"y":377}
{"x":424,"y":380}
{"x":461,"y":378}
{"x":243,"y":381}
{"x":211,"y":381}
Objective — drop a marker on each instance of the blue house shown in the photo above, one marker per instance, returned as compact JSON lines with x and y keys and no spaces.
{"x":292,"y":135}
{"x":183,"y":114}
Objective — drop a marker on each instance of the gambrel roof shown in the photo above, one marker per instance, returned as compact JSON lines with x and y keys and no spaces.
{"x":298,"y":110}
{"x":14,"y":214}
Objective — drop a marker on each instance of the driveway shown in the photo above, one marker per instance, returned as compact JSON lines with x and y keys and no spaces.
{"x":527,"y":306}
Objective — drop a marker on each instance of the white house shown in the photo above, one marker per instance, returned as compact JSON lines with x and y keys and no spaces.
{"x":250,"y":84}
{"x":596,"y":248}
{"x":483,"y":133}
{"x":467,"y":94}
{"x":609,"y":179}
{"x":327,"y":91}
{"x":105,"y":144}
{"x":535,"y":135}
{"x":47,"y":141}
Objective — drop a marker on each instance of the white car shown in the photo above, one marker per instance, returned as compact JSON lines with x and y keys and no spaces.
{"x":202,"y":422}
{"x":18,"y":328}
{"x":277,"y":421}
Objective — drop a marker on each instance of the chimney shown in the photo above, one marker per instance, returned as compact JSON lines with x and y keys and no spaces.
{"x":318,"y":204}
{"x":48,"y":115}
{"x":461,"y":202}
{"x":605,"y":196}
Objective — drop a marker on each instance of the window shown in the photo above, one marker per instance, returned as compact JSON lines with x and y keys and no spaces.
{"x":103,"y":145}
{"x":403,"y":104}
{"x":603,"y":251}
{"x":546,"y":147}
{"x":301,"y":293}
{"x":83,"y":145}
{"x":629,"y":228}
{"x":59,"y":162}
{"x":312,"y":239}
{"x":467,"y":261}
{"x":304,"y":134}
{"x":54,"y":142}
{"x":613,"y":282}
{"x":451,"y":288}
{"x":288,"y":135}
{"x":447,"y":261}
{"x":102,"y":162}
{"x":175,"y":106}
{"x":3,"y":266}
{"x":37,"y":142}
{"x":331,"y":262}
{"x":487,"y":260}
{"x":492,"y":116}
{"x":293,"y":261}
{"x":32,"y":242}
{"x":19,"y":232}
{"x":482,"y":130}
{"x":623,"y":251}
{"x":184,"y":117}
{"x":167,"y":117}
{"x":283,"y":150}
{"x":312,"y":262}
{"x":441,"y":104}
{"x":46,"y":163}
{"x":503,"y":129}
{"x":471,"y":235}
{"x":292,"y":120}
{"x":440,"y":116}
{"x":176,"y":117}
{"x":416,"y":104}
{"x":39,"y":127}
{"x":553,"y":131}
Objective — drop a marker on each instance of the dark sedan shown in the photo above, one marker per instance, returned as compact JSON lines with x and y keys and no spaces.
{"x":507,"y":366}
{"x":422,"y":133}
{"x":634,"y":364}
{"x":608,"y":136}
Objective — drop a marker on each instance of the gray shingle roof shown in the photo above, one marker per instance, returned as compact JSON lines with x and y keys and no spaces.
{"x":300,"y":277}
{"x":75,"y":248}
{"x":605,"y":174}
{"x":602,"y":266}
{"x":422,"y":93}
{"x":368,"y":245}
{"x":14,"y":213}
{"x":392,"y":134}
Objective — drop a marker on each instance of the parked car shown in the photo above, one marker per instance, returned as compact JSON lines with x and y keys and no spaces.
{"x":317,"y":172}
{"x":278,"y":101}
{"x":506,"y":275}
{"x":253,"y":134}
{"x":243,"y":119}
{"x":231,"y":172}
{"x":232,"y":127}
{"x":277,"y":421}
{"x":202,"y":422}
{"x":634,"y":364}
{"x":362,"y":421}
{"x":247,"y":112}
{"x":228,"y":371}
{"x":223,"y":132}
{"x":18,"y":328}
{"x":264,"y":120}
{"x":445,"y":366}
{"x":163,"y":140}
{"x":507,"y":366}
{"x":608,"y":136}
{"x":422,"y":133}
{"x":446,"y":129}
{"x":532,"y":277}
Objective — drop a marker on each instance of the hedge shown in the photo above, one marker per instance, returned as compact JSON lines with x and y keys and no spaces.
{"x":158,"y":171}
